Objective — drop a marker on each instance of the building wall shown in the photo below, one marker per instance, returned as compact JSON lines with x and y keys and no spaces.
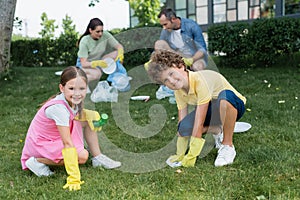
{"x":208,"y":12}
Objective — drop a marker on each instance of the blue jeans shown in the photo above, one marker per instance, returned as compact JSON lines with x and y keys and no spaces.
{"x":186,"y":125}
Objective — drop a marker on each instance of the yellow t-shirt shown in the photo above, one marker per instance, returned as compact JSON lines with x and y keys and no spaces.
{"x":204,"y":86}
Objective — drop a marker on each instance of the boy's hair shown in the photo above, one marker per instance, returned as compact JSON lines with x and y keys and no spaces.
{"x":161,"y":60}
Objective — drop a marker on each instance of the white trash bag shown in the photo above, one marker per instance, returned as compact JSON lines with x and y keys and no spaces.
{"x":104,"y":93}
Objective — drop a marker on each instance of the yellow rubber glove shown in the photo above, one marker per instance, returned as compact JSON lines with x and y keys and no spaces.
{"x":71,"y":164}
{"x":90,"y":116}
{"x":188,"y":61}
{"x":182,"y":143}
{"x":196,"y":145}
{"x":146,"y":65}
{"x":98,"y":63}
{"x":120,"y":55}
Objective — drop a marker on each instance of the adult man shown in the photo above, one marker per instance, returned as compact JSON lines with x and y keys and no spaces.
{"x":183,"y":36}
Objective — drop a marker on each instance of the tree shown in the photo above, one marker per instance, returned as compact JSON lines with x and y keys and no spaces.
{"x":48,"y":27}
{"x":7,"y":11}
{"x":67,"y":40}
{"x":68,"y":28}
{"x":146,"y":11}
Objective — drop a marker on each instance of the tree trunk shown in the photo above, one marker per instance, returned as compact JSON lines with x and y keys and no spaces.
{"x":7,"y":12}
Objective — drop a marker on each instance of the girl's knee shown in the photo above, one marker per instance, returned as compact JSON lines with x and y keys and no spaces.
{"x":83,"y":156}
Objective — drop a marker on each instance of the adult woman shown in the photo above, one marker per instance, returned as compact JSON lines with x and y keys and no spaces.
{"x":93,"y":46}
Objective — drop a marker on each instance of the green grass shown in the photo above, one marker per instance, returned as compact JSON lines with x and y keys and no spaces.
{"x":268,"y":155}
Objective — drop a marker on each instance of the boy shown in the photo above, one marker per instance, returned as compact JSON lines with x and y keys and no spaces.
{"x":217,"y":104}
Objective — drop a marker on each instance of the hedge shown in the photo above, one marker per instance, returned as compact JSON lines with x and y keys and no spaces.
{"x":258,"y":43}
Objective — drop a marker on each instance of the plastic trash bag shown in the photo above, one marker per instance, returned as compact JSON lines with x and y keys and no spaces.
{"x":121,"y":82}
{"x":163,"y":92}
{"x":104,"y":93}
{"x":119,"y":78}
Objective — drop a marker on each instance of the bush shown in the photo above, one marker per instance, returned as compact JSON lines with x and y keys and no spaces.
{"x":258,"y":43}
{"x":44,"y":52}
{"x":138,"y":44}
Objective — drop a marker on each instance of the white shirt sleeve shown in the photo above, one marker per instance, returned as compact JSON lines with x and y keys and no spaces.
{"x":59,"y":113}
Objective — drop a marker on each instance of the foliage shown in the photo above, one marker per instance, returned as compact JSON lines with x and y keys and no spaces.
{"x":62,"y":51}
{"x":146,"y":11}
{"x":267,"y":165}
{"x":93,"y":3}
{"x":292,"y":6}
{"x":15,"y":37}
{"x":260,"y":42}
{"x":271,"y":38}
{"x":69,"y":29}
{"x":67,"y":42}
{"x":17,"y":23}
{"x":48,"y":27}
{"x":47,"y":51}
{"x":138,"y":43}
{"x":231,"y":39}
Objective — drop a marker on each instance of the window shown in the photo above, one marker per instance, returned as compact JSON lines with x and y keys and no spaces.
{"x":219,"y":10}
{"x":202,"y":11}
{"x":243,"y":10}
{"x":231,"y":15}
{"x":202,"y":16}
{"x":191,"y":7}
{"x":231,"y":4}
{"x":292,"y":7}
{"x":180,"y":4}
{"x":219,"y":13}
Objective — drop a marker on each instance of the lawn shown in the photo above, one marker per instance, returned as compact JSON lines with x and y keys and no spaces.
{"x":142,"y":135}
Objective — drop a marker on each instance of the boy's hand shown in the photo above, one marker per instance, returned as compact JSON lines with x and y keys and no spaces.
{"x":181,"y":146}
{"x":196,"y":145}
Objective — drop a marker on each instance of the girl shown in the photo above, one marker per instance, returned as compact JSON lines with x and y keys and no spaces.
{"x":55,"y":135}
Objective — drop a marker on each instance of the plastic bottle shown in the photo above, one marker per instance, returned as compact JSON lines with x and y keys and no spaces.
{"x":102,"y":120}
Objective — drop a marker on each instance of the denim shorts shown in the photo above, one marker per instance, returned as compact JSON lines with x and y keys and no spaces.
{"x":186,"y":125}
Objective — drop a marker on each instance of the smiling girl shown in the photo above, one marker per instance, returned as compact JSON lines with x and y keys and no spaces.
{"x":55,"y":135}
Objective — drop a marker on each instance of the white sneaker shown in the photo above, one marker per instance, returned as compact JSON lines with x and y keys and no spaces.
{"x":226,"y":155}
{"x":104,"y":161}
{"x":218,"y":140}
{"x":39,"y":169}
